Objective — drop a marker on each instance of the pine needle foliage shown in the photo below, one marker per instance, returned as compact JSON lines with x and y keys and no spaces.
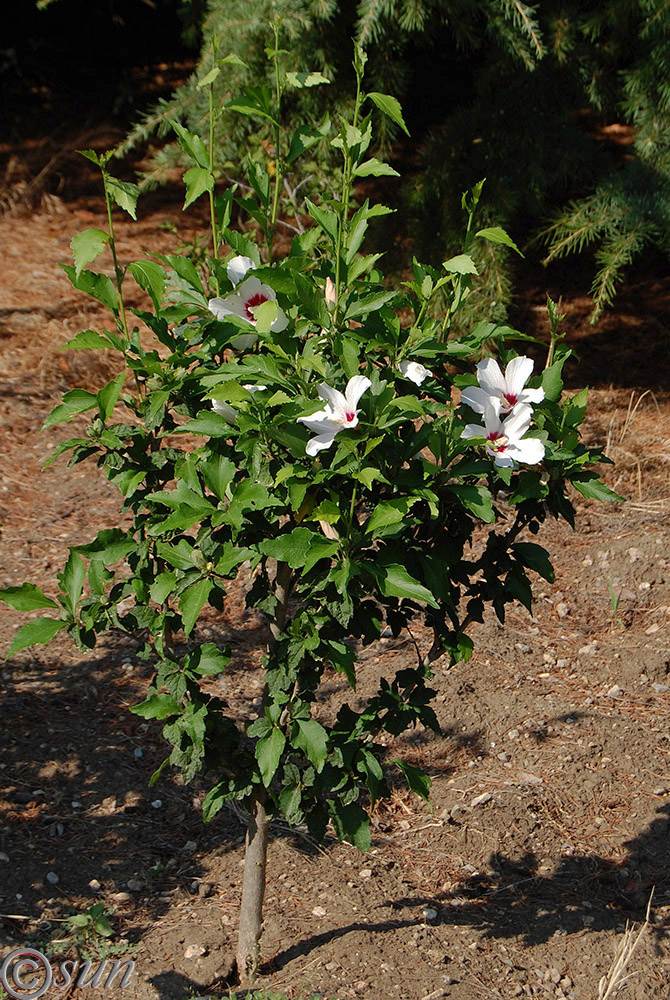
{"x":514,"y":92}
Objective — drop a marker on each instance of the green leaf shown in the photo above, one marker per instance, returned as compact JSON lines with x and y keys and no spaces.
{"x":552,"y":381}
{"x":207,"y":660}
{"x":390,"y":107}
{"x":27,"y":597}
{"x":150,"y":277}
{"x":87,"y":246}
{"x":98,"y":285}
{"x":462,"y":264}
{"x":476,"y":499}
{"x":162,"y":587}
{"x":375,"y":168}
{"x":304,"y":138}
{"x":74,"y":402}
{"x":591,"y":487}
{"x":395,"y":581}
{"x":313,"y":739}
{"x":300,"y":80}
{"x":218,"y":473}
{"x":208,"y":423}
{"x":198,"y":180}
{"x":494,"y":234}
{"x":157,"y":706}
{"x":91,"y":340}
{"x":108,"y":396}
{"x":208,"y":78}
{"x":388,"y":513}
{"x":535,"y":557}
{"x":42,"y":630}
{"x":250,"y":106}
{"x":351,"y":823}
{"x":326,"y":219}
{"x":124,"y":194}
{"x":72,"y":579}
{"x":191,"y":602}
{"x":192,"y":145}
{"x":291,"y":548}
{"x":268,"y":752}
{"x":417,"y":780}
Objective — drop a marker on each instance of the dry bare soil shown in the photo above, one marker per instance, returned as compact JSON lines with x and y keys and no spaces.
{"x":549,"y":826}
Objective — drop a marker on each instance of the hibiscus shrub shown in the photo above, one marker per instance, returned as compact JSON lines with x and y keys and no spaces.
{"x":299,"y":424}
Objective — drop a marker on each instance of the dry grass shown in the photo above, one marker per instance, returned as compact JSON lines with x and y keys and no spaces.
{"x":618,"y":976}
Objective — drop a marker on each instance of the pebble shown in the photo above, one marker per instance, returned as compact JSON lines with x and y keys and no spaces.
{"x":318,"y":911}
{"x":157,"y":803}
{"x":429,"y":913}
{"x":205,"y":889}
{"x":480,"y":800}
{"x":614,"y":692}
{"x":588,"y":650}
{"x":504,"y":756}
{"x":121,"y":897}
{"x":137,"y":753}
{"x":562,"y":609}
{"x":562,"y":664}
{"x":3,"y":856}
{"x":660,"y":688}
{"x":135,"y":884}
{"x":652,"y":629}
{"x":659,"y":790}
{"x":458,"y":813}
{"x":52,"y":878}
{"x":331,"y":966}
{"x":194,"y":951}
{"x":365,"y":873}
{"x":529,"y":779}
{"x":94,"y":885}
{"x":190,"y":847}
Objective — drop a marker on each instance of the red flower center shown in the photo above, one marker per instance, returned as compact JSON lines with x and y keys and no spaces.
{"x":349,"y":416}
{"x":510,"y":398}
{"x":252,"y":303}
{"x":497,"y":441}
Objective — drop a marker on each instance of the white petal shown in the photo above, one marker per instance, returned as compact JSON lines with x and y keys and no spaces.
{"x":490,"y":377}
{"x":530,"y":450}
{"x":356,"y":386}
{"x":501,"y":459}
{"x":517,"y":373}
{"x":531,"y":396}
{"x":477,"y":398}
{"x":335,"y":399}
{"x":317,"y":444}
{"x":238,"y":267}
{"x":251,"y":287}
{"x":492,"y":420}
{"x":320,"y":422}
{"x":518,"y":422}
{"x":414,"y":371}
{"x":225,"y":409}
{"x":473,"y":431}
{"x":232,"y":304}
{"x":244,"y":341}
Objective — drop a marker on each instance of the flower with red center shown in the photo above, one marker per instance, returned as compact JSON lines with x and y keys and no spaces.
{"x":505,"y":442}
{"x":248,"y":295}
{"x":503,"y":391}
{"x":339,"y":413}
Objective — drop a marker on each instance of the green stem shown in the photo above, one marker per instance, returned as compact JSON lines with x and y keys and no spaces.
{"x":278,"y":158}
{"x":118,"y":270}
{"x":212,"y":211}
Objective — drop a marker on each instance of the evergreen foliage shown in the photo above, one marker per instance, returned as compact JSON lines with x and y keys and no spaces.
{"x":501,"y":89}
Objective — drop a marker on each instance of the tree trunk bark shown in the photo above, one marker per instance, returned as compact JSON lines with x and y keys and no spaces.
{"x":253,"y":889}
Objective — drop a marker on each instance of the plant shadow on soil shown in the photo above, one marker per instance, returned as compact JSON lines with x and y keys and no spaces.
{"x":116,"y":833}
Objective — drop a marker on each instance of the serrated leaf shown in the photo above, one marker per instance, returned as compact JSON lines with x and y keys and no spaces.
{"x":494,"y":234}
{"x":396,"y":581}
{"x":552,"y":381}
{"x":300,"y":80}
{"x":208,"y":78}
{"x":268,"y":752}
{"x":108,"y":396}
{"x":375,"y":168}
{"x":151,"y":277}
{"x":87,"y":246}
{"x":312,"y":738}
{"x":218,"y":473}
{"x":417,"y":780}
{"x":162,"y":587}
{"x":91,"y":340}
{"x":198,"y":180}
{"x":594,"y":489}
{"x":461,"y":264}
{"x":476,"y":499}
{"x":390,"y":107}
{"x":74,"y":402}
{"x":191,"y":602}
{"x":291,"y":548}
{"x":192,"y":145}
{"x":536,"y":558}
{"x":72,"y":579}
{"x":326,"y":219}
{"x":157,"y":706}
{"x":27,"y":597}
{"x":99,"y":286}
{"x":208,"y":423}
{"x":40,"y":631}
{"x":124,"y":193}
{"x":388,"y":513}
{"x":351,"y":823}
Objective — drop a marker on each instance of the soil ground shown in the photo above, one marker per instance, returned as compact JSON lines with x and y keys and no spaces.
{"x":550,"y":818}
